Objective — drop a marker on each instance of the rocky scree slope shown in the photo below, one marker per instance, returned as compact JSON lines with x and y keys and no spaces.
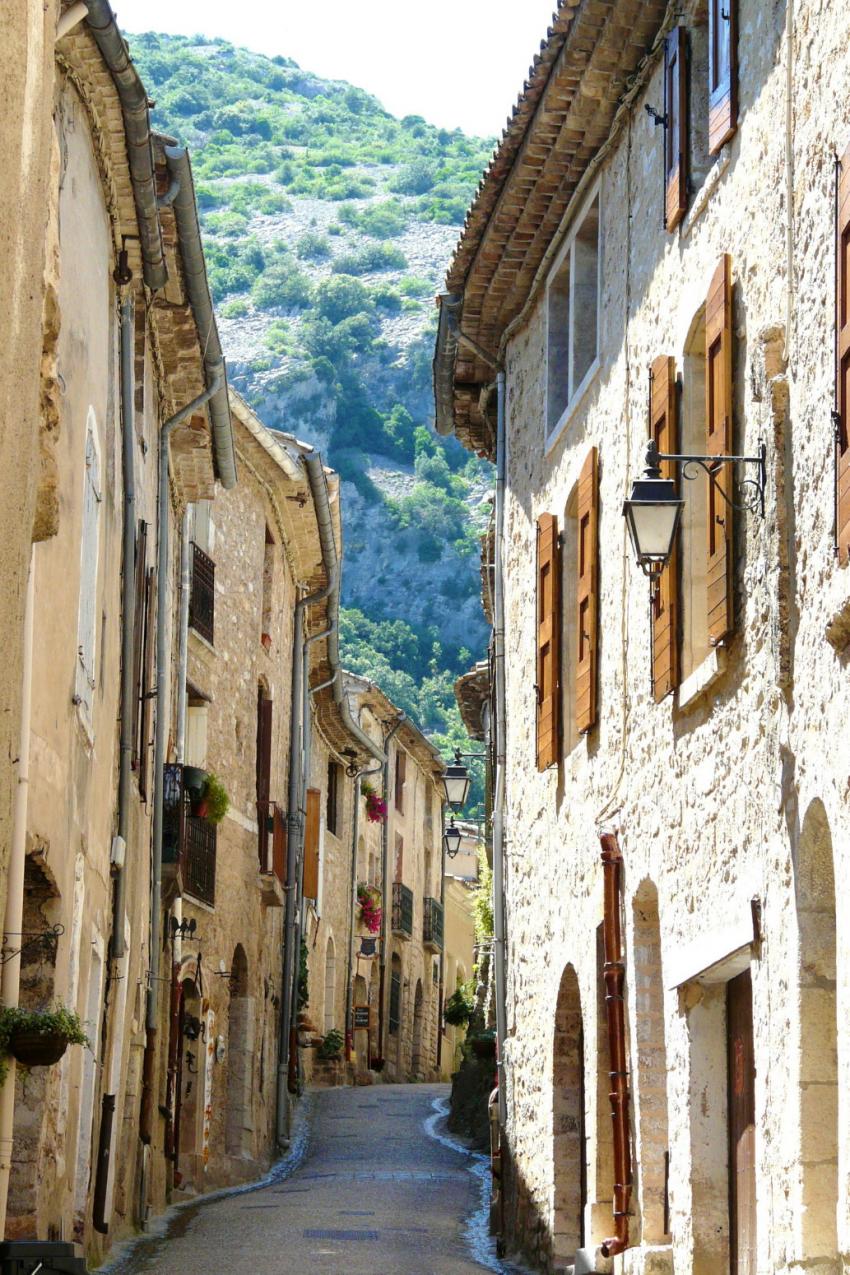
{"x":328,"y":225}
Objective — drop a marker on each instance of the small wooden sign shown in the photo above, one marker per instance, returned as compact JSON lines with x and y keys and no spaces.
{"x":362,"y":1018}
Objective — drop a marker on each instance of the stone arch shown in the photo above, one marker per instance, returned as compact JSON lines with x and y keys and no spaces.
{"x":650,"y":1089}
{"x":569,"y":1138}
{"x":814,"y":883}
{"x":330,"y":986}
{"x":239,"y":1125}
{"x":189,"y":1073}
{"x":417,"y":1061}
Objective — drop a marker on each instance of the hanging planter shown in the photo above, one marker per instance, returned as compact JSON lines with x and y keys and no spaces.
{"x":38,"y":1038}
{"x":369,"y":899}
{"x":376,"y":806}
{"x":213,"y":802}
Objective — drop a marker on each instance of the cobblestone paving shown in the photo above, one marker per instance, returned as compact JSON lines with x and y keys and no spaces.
{"x":375,"y":1194}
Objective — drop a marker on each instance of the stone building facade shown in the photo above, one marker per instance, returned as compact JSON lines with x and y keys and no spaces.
{"x":692,"y":721}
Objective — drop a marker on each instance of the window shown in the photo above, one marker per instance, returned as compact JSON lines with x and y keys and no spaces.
{"x":399,"y":858}
{"x":676,"y":129}
{"x":202,"y":596}
{"x":265,"y":814}
{"x":395,"y":997}
{"x":139,"y":637}
{"x":195,"y":753}
{"x":400,"y":769}
{"x":86,"y":624}
{"x":573,"y":318}
{"x":722,"y":72}
{"x":332,"y":814}
{"x":268,"y":591}
{"x":548,"y":645}
{"x":311,"y":845}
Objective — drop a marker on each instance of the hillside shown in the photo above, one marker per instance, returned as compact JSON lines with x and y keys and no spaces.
{"x":328,"y":226}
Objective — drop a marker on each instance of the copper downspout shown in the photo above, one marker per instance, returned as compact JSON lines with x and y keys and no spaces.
{"x":614,"y":974}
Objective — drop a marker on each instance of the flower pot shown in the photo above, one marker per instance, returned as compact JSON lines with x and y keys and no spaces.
{"x":194,"y":779}
{"x":37,"y":1049}
{"x":201,"y":808}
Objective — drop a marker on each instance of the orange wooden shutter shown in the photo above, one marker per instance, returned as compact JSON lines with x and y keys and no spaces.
{"x":587,"y":573}
{"x":722,"y":72}
{"x":676,"y":132}
{"x":665,"y":590}
{"x":548,"y":641}
{"x":842,"y":389}
{"x":718,"y":415}
{"x":311,"y":845}
{"x":280,"y":838}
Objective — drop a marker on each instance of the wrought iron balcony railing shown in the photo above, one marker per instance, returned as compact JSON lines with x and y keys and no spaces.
{"x":432,"y":925}
{"x":202,"y":596}
{"x":402,"y":910}
{"x":188,"y":842}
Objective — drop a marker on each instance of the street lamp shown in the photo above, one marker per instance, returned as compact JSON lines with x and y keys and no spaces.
{"x":654,"y":509}
{"x":456,"y":783}
{"x":451,"y":839}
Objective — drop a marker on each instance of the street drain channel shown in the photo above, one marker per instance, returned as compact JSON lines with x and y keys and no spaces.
{"x":340,"y":1235}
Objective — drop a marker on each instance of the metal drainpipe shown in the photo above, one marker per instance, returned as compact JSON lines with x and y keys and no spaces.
{"x":385,"y":846}
{"x":499,"y":955}
{"x":441,"y":991}
{"x":183,"y":638}
{"x":152,"y":1006}
{"x":10,"y":972}
{"x":352,"y":902}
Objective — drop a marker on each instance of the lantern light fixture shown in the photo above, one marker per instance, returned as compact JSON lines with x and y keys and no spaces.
{"x":654,"y":509}
{"x":452,"y":838}
{"x":456,"y":783}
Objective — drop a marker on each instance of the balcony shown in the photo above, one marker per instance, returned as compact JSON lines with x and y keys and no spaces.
{"x":202,"y":595}
{"x":432,"y":925}
{"x":402,"y":910}
{"x":188,"y":843}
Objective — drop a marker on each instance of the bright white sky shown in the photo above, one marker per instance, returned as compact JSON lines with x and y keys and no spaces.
{"x":459,"y":63}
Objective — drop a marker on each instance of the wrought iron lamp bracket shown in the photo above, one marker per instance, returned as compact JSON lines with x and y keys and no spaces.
{"x":753,"y":488}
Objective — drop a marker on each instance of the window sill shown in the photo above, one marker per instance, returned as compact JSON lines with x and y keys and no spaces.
{"x":702,"y":196}
{"x":195,"y":636}
{"x":572,"y":408}
{"x":702,"y":679}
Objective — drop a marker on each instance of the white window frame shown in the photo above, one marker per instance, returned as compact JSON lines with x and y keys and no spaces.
{"x":578,"y":392}
{"x":86,"y":658}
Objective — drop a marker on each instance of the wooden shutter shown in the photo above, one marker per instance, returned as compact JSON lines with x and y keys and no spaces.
{"x":279,"y":844}
{"x":663,"y":427}
{"x":311,"y":845}
{"x":138,"y":635}
{"x":400,"y":775}
{"x":587,"y":575}
{"x":718,"y":415}
{"x":548,"y":641}
{"x":148,"y":685}
{"x":722,"y":72}
{"x":264,"y":768}
{"x":742,"y":1161}
{"x":676,"y":132}
{"x":842,"y":388}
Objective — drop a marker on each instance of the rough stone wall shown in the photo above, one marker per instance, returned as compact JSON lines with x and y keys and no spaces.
{"x":26,"y":62}
{"x":711,"y":801}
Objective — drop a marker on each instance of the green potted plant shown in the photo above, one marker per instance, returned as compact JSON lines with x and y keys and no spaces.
{"x":331,"y":1046}
{"x":460,"y":1005}
{"x":38,"y":1037}
{"x":213,"y":803}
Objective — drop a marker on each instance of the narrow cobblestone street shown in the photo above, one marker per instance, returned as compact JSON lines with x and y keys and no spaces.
{"x":375,"y":1193}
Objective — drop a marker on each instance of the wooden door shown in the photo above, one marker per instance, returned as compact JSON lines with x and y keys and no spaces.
{"x":742,"y":1160}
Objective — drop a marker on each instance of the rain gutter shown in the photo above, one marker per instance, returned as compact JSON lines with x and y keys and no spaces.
{"x":134,"y":109}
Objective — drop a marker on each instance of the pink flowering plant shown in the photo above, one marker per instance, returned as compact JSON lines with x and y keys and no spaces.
{"x":376,"y":806}
{"x":369,"y":898}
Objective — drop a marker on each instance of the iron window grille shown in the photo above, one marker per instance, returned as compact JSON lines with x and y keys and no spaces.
{"x":188,"y":841}
{"x":432,"y":924}
{"x":202,"y":596}
{"x":402,"y":910}
{"x":395,"y":1003}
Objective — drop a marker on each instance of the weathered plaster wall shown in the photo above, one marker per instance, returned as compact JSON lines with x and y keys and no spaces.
{"x":709,"y":800}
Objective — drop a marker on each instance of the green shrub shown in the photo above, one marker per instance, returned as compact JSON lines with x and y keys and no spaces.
{"x":332,"y":1045}
{"x":313,"y":247}
{"x":370,"y":259}
{"x":235,"y":309}
{"x":460,"y":1006}
{"x":283,"y":285}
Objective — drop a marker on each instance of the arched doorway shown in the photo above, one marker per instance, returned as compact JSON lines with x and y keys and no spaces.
{"x":394,"y":1023}
{"x":361,"y":1037}
{"x":239,"y":1127}
{"x":190,"y":1067}
{"x":816,"y":1218}
{"x":417,"y":1062}
{"x":330,"y":987}
{"x":374,"y":999}
{"x":569,"y":1138}
{"x":651,"y":1088}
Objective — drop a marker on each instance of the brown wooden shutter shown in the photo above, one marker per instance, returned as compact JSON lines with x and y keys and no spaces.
{"x":138,"y":634}
{"x":400,"y":775}
{"x":148,"y":685}
{"x":718,"y":415}
{"x":587,"y":574}
{"x":548,"y":641}
{"x":264,"y":769}
{"x":665,"y":590}
{"x":311,"y":845}
{"x":842,"y":388}
{"x":722,"y":72}
{"x":676,"y":132}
